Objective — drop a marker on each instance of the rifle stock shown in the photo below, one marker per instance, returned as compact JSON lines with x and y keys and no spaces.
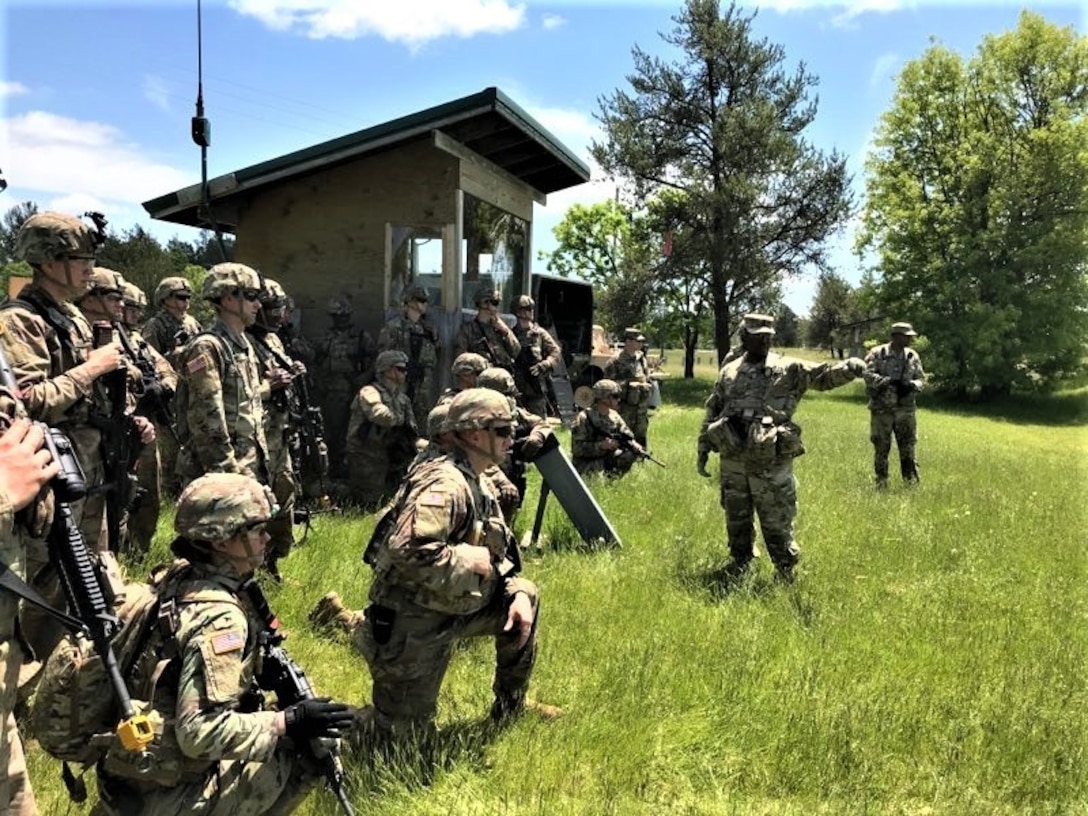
{"x":628,"y":442}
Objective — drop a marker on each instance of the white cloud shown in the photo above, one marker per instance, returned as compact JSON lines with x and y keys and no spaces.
{"x":883,"y":68}
{"x":12,"y":89}
{"x":847,"y":10}
{"x":156,"y":91}
{"x":412,"y":22}
{"x":78,"y":161}
{"x":553,"y":21}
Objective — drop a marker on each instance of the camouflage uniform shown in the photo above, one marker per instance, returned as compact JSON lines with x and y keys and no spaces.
{"x":342,"y":361}
{"x":892,"y":379}
{"x":592,"y":428}
{"x":424,"y":596}
{"x":381,"y":436}
{"x":539,"y":353}
{"x":164,"y":332}
{"x":749,"y":421}
{"x":633,"y":375}
{"x":215,"y":753}
{"x":418,"y":340}
{"x":496,"y":343}
{"x":219,"y":400}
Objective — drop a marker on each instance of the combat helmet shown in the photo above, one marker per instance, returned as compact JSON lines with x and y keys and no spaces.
{"x":388,"y":359}
{"x":50,"y":236}
{"x":486,"y":293}
{"x":416,"y":293}
{"x":603,"y":389}
{"x":103,"y":281}
{"x":171,"y":286}
{"x":338,"y":307}
{"x":216,"y":506}
{"x":497,"y":379}
{"x":273,"y":296}
{"x":437,"y":419}
{"x":478,"y":408}
{"x":134,"y":295}
{"x":469,"y":363}
{"x":224,"y":278}
{"x":524,"y":302}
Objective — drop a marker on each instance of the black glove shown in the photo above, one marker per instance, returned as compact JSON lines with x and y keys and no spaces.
{"x":316,"y":718}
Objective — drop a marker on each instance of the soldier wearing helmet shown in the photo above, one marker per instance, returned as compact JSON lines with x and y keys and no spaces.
{"x":536,"y":361}
{"x":413,"y":333}
{"x":220,"y":413}
{"x":466,"y":368}
{"x":382,"y":433}
{"x":446,"y":567}
{"x":236,"y":750}
{"x":171,"y":327}
{"x":749,"y":422}
{"x":343,"y":361}
{"x":629,"y":368}
{"x":280,"y":402}
{"x":893,"y":378}
{"x":486,"y":333}
{"x":595,"y":435}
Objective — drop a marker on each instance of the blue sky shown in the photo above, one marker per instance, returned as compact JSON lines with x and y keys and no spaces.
{"x":97,"y":97}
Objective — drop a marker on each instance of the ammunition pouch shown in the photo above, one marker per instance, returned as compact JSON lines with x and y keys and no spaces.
{"x":762,"y":442}
{"x":789,"y":442}
{"x":724,"y":437}
{"x":638,"y":393}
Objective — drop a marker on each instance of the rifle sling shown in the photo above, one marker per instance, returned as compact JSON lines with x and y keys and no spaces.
{"x":17,"y":586}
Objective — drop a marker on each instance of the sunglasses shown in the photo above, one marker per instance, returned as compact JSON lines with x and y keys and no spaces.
{"x":502,"y":430}
{"x":401,"y":367}
{"x":489,"y":303}
{"x":249,"y":294}
{"x":254,"y":527}
{"x":181,"y":296}
{"x":115,"y":297}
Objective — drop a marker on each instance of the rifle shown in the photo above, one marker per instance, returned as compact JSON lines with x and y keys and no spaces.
{"x":85,"y":587}
{"x":120,"y":445}
{"x":285,"y":678}
{"x":157,"y":399}
{"x":629,"y":443}
{"x":415,"y":370}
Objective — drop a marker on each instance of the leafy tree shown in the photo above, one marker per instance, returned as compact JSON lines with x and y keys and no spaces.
{"x":977,"y":208}
{"x":9,"y":228}
{"x":787,"y":327}
{"x":724,"y":126}
{"x":832,"y":307}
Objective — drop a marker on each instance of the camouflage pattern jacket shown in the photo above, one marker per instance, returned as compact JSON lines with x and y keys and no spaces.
{"x":749,"y":414}
{"x":892,"y":379}
{"x":343,"y":358}
{"x":631,"y":372}
{"x":376,"y":412}
{"x":168,"y":335}
{"x":277,"y":414}
{"x":496,"y":343}
{"x":537,"y":346}
{"x":590,"y":428}
{"x":403,"y":334}
{"x":443,"y":511}
{"x":219,"y":406}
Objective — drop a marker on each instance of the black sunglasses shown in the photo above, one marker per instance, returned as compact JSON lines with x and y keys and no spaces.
{"x":400,"y":367}
{"x":182,"y":296}
{"x":249,"y":294}
{"x":502,"y":430}
{"x":489,"y":302}
{"x":254,"y":526}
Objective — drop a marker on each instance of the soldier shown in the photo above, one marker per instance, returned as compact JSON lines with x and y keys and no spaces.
{"x":221,"y":750}
{"x":278,"y":371}
{"x":293,"y":340}
{"x":382,"y":433}
{"x":629,"y":369}
{"x":536,"y":361}
{"x":342,"y":362}
{"x":487,"y":334}
{"x":465,"y":369}
{"x":219,"y":411}
{"x":25,"y":469}
{"x":445,"y":568}
{"x":749,"y":421}
{"x":172,"y":326}
{"x":415,"y":335}
{"x":595,"y":433}
{"x":893,"y":376}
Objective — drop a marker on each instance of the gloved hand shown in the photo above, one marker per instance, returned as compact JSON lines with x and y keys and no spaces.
{"x":856,"y":366}
{"x":316,"y":718}
{"x":700,"y":464}
{"x":538,"y":369}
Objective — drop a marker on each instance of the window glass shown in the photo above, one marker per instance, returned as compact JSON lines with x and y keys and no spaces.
{"x":494,"y":253}
{"x":417,"y":260}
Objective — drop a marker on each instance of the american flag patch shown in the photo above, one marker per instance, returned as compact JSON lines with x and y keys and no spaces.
{"x":198,"y":363}
{"x":432,"y":499}
{"x":228,"y":642}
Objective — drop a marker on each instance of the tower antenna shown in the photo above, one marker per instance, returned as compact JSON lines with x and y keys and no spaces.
{"x":202,"y":135}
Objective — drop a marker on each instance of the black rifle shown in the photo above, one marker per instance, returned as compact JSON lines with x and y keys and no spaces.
{"x":85,"y":588}
{"x":120,"y":445}
{"x":285,"y":678}
{"x":415,"y":370}
{"x":628,"y":442}
{"x":157,"y":398}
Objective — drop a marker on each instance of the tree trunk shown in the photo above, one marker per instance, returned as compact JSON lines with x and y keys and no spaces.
{"x":691,"y":342}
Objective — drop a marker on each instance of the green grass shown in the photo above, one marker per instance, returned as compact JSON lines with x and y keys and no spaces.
{"x":931,"y":658}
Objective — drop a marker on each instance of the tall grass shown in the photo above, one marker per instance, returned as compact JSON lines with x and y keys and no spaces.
{"x":930,"y":659}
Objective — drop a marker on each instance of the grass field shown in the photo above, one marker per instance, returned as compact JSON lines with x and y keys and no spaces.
{"x":931,"y":658}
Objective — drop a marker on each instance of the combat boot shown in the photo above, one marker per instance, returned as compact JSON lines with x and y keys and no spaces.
{"x":506,"y":708}
{"x":330,"y":611}
{"x":909,"y":469}
{"x":881,"y":469}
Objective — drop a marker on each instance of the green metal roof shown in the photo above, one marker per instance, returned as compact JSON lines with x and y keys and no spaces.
{"x":488,"y":123}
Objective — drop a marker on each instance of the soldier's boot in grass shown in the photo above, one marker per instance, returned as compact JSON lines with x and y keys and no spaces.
{"x":909,"y":469}
{"x":881,"y":470}
{"x":506,"y":708}
{"x":330,"y":611}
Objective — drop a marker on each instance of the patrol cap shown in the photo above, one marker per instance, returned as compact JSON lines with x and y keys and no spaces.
{"x":603,"y":389}
{"x":171,"y":286}
{"x":436,"y":420}
{"x":633,"y":334}
{"x":390,"y":359}
{"x":133,"y":294}
{"x":224,"y":278}
{"x":103,"y":281}
{"x":524,"y":302}
{"x":487,"y":293}
{"x":904,"y":328}
{"x":50,"y":236}
{"x":497,"y":379}
{"x":469,"y":363}
{"x":416,"y":293}
{"x":338,"y":307}
{"x":754,"y":323}
{"x":478,"y":408}
{"x":216,"y":506}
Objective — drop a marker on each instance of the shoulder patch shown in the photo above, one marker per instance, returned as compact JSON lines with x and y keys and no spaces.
{"x":432,"y":498}
{"x":198,"y":363}
{"x":230,"y":641}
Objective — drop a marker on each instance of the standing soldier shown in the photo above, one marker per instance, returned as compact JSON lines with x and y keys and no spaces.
{"x":536,"y":361}
{"x":382,"y":433}
{"x":893,"y":376}
{"x":487,"y":334}
{"x":341,"y":363}
{"x":749,"y":421}
{"x":278,"y":371}
{"x":172,"y":326}
{"x":414,"y":334}
{"x":219,"y":411}
{"x":629,"y":369}
{"x":294,"y":341}
{"x":445,"y":568}
{"x":595,"y":432}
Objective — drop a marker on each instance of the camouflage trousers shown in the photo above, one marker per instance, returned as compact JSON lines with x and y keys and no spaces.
{"x":144,"y":518}
{"x":424,"y":399}
{"x":770,"y":492}
{"x":281,"y":529}
{"x":167,"y":443}
{"x":903,"y":423}
{"x":336,"y":411}
{"x":231,"y":788}
{"x":408,"y":669}
{"x":637,"y":418}
{"x":612,"y":466}
{"x":16,"y":795}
